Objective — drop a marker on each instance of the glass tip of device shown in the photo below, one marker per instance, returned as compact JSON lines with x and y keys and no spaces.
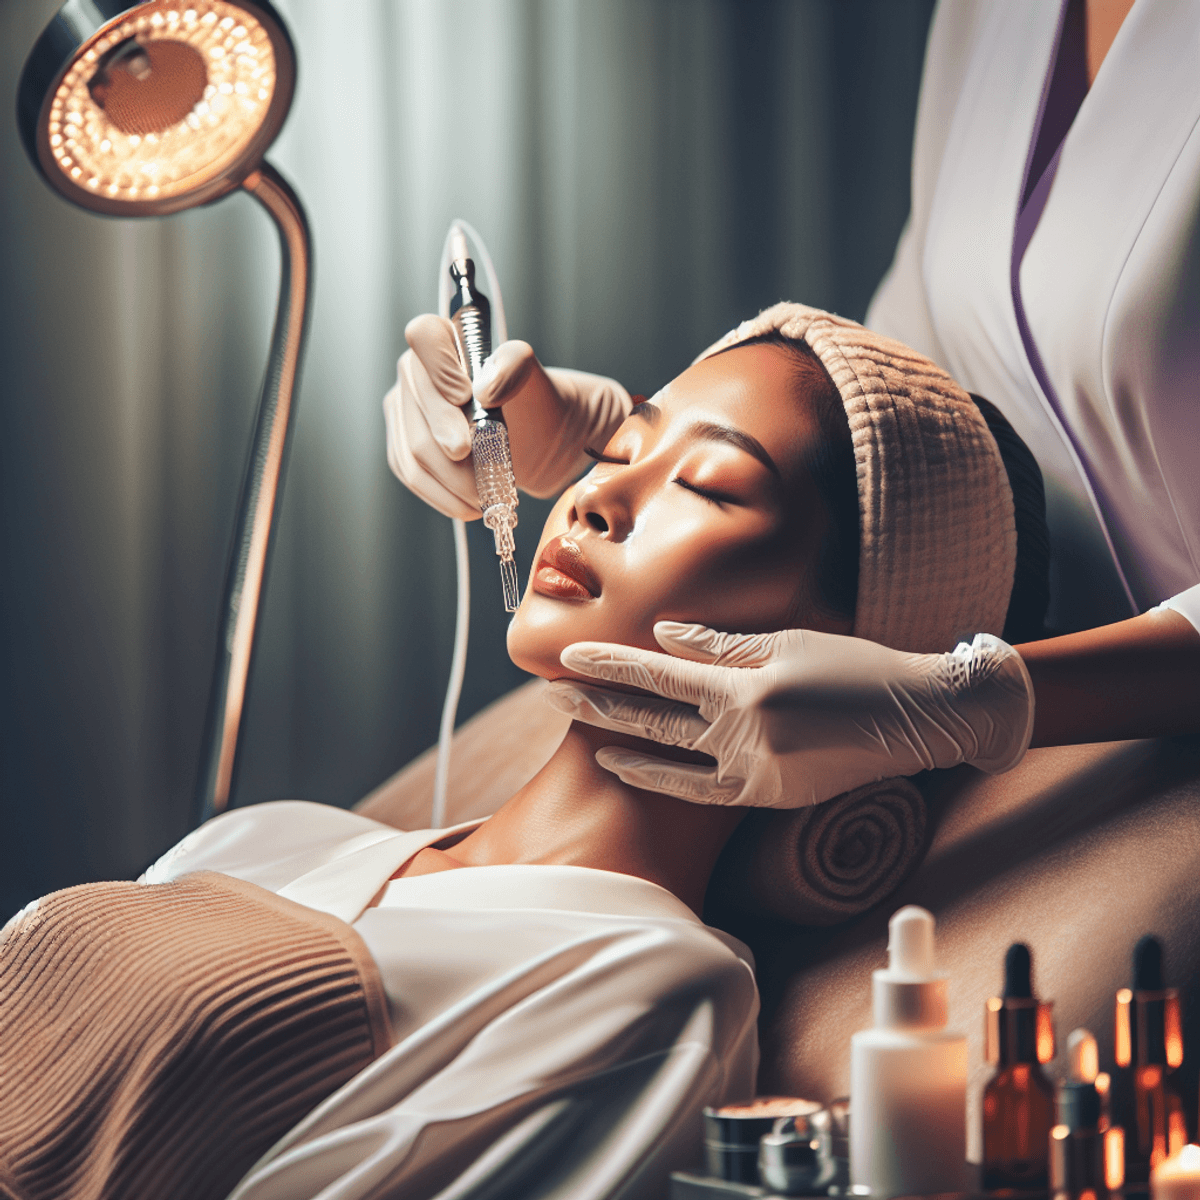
{"x":508,"y":581}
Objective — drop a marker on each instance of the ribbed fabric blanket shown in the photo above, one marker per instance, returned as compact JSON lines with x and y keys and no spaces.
{"x":156,"y":1040}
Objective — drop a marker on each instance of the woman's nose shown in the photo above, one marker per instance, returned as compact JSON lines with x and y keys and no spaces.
{"x":604,"y":505}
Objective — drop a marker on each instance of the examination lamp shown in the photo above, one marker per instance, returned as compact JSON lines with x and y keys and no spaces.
{"x":147,"y":109}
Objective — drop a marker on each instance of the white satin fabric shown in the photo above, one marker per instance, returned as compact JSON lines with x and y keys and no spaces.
{"x":557,"y":1030}
{"x":1108,"y":282}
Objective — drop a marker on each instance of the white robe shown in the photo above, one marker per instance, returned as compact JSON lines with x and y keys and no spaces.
{"x":557,"y":1030}
{"x":1109,"y":282}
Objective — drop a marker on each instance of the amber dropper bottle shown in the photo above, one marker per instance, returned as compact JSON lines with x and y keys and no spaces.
{"x":1148,"y":1046}
{"x":1018,"y":1101}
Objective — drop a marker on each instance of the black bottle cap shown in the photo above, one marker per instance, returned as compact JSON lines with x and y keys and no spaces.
{"x":1017,"y":1026}
{"x":1079,"y":1106}
{"x":1017,"y":971}
{"x":1147,"y":965}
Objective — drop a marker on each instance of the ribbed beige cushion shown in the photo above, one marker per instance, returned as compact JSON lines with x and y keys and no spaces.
{"x":939,"y":540}
{"x":156,"y":1040}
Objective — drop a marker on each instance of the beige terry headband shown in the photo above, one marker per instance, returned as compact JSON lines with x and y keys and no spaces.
{"x":938,"y":535}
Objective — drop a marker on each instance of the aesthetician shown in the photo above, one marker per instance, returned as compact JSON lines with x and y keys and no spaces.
{"x":1051,"y":263}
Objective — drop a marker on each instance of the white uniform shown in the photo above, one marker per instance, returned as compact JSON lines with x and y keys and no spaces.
{"x":1103,"y":382}
{"x":557,"y":1030}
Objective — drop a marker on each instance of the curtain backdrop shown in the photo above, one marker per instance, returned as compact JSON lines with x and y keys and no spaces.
{"x":646,"y":172}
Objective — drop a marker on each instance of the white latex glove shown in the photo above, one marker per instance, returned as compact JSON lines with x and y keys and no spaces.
{"x":797,"y":717}
{"x":552,"y":415}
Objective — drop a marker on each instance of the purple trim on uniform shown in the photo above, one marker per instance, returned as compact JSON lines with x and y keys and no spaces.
{"x":1063,"y":95}
{"x":1061,"y":98}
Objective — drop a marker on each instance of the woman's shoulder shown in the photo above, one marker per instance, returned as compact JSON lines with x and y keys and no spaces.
{"x":267,"y":844}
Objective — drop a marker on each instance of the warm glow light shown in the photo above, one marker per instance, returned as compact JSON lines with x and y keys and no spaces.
{"x":1083,"y":1057}
{"x":991,"y":1029}
{"x":1123,"y":1042}
{"x":1045,"y":1033}
{"x":1172,"y":1032}
{"x":1177,"y":1131}
{"x":1178,"y":1177}
{"x":1114,"y":1157}
{"x":216,"y":49}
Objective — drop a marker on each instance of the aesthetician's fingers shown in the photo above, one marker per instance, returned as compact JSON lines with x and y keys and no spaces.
{"x":687,"y":781}
{"x":505,"y":373}
{"x":701,"y":644}
{"x":456,"y":476}
{"x":421,"y":482}
{"x":641,"y":716}
{"x":447,"y":422}
{"x":406,"y":425}
{"x":432,"y":340}
{"x":675,"y":678}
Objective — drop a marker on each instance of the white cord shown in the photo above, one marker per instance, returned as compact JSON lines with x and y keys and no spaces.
{"x":462,"y":617}
{"x":458,"y":667}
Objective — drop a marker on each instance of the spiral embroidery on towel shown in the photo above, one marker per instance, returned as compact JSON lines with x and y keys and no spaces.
{"x":827,"y":863}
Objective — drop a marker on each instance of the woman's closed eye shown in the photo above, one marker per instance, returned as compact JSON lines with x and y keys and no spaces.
{"x":710,"y":494}
{"x":600,"y":457}
{"x":720,"y":499}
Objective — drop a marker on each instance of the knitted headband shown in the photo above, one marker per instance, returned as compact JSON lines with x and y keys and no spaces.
{"x":938,"y":536}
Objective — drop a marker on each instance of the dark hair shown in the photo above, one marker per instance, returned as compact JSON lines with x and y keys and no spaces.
{"x":1025,"y":620}
{"x":835,"y":473}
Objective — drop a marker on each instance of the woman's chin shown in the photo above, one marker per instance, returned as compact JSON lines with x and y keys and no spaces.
{"x":543,"y":627}
{"x":537,"y":638}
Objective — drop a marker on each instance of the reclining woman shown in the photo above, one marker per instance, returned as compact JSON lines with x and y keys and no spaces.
{"x":307,"y":1001}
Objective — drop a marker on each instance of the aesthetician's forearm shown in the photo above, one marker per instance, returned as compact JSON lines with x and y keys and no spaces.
{"x":1136,"y":678}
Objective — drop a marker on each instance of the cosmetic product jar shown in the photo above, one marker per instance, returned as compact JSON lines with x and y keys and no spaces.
{"x":732,"y":1133}
{"x":796,"y":1157}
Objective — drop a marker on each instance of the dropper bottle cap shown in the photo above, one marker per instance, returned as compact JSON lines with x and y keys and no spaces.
{"x":1149,"y":1029}
{"x":910,"y":993}
{"x":1148,"y":965}
{"x":1019,"y":1028}
{"x":1080,"y":1106}
{"x":1018,"y":973}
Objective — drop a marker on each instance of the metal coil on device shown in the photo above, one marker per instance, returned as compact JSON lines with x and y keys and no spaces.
{"x":475,"y":337}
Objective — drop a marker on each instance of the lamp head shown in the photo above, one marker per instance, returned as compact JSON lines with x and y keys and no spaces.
{"x":146,"y":109}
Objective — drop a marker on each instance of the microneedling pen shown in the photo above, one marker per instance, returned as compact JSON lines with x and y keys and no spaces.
{"x":471,"y":316}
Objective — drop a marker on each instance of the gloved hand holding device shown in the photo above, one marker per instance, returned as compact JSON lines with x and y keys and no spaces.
{"x":797,"y":717}
{"x":552,"y":415}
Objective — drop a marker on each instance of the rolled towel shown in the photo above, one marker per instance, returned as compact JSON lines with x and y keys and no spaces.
{"x":827,"y":863}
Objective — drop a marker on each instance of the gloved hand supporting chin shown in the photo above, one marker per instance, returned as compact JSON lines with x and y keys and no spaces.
{"x":797,"y":717}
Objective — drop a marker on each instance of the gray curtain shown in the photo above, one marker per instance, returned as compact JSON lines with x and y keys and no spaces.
{"x":647,"y":173}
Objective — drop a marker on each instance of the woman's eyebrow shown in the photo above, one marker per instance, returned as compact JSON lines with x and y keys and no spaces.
{"x":648,"y":411}
{"x":711,"y":431}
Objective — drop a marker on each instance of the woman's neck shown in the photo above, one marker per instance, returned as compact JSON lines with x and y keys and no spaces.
{"x":575,"y":813}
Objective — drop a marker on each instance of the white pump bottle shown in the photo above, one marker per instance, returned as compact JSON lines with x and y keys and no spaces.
{"x":908,"y":1075}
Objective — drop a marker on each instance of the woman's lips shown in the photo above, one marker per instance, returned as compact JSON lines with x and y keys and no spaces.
{"x":563,"y":572}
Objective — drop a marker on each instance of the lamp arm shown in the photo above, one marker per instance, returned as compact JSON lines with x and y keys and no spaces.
{"x":262,"y":488}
